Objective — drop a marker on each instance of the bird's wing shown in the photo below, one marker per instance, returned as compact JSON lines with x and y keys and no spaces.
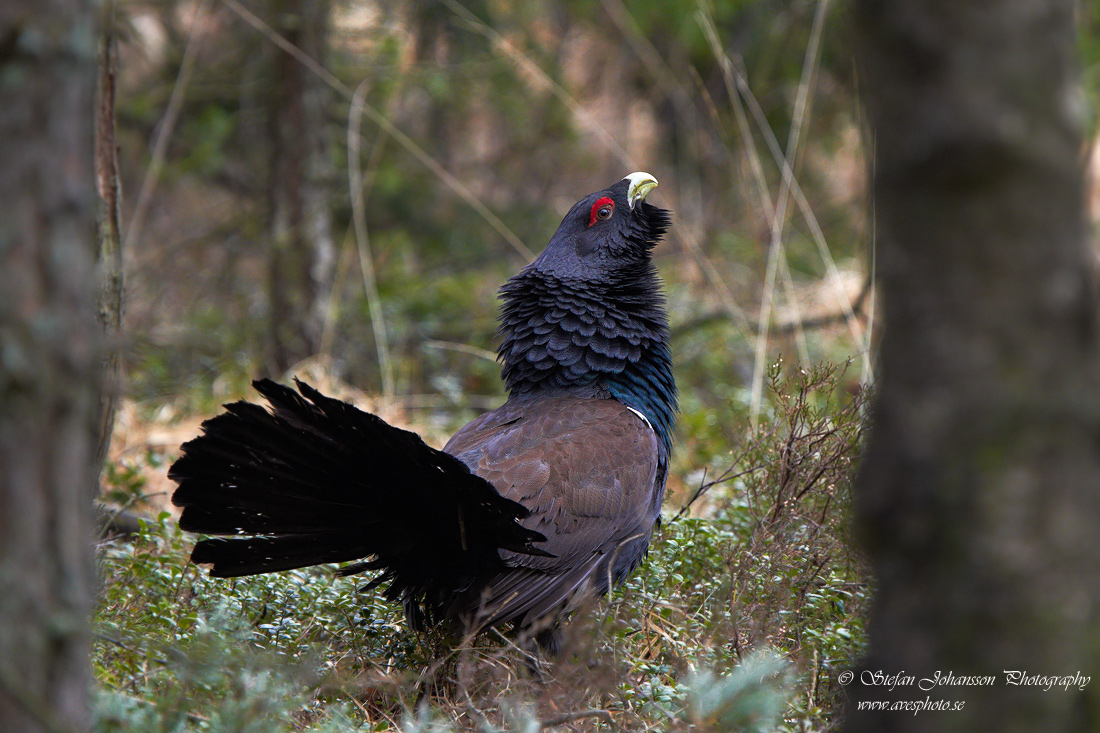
{"x":586,"y":470}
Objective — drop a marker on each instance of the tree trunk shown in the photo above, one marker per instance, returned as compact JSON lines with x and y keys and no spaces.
{"x":303,"y":254}
{"x":49,"y":361}
{"x":108,"y":230}
{"x":979,"y":498}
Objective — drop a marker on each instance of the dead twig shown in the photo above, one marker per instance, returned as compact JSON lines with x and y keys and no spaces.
{"x":604,"y":715}
{"x":822,"y":321}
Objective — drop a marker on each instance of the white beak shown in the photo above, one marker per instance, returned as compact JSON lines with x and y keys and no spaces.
{"x":640,"y":185}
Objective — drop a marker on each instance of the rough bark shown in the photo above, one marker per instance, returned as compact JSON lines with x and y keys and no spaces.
{"x":302,"y":258}
{"x":108,"y":230}
{"x":979,"y":497}
{"x":49,"y":361}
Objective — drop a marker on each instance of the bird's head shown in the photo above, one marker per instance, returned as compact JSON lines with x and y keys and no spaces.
{"x":606,"y":233}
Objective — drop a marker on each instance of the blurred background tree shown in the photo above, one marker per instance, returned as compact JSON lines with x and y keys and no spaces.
{"x":300,"y":180}
{"x":50,"y":411}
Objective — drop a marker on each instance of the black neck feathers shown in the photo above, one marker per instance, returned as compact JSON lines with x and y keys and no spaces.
{"x":596,"y":339}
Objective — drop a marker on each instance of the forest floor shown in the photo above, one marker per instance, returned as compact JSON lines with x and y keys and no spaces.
{"x":747,"y":609}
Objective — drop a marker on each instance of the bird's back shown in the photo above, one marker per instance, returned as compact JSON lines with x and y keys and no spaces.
{"x":587,"y":471}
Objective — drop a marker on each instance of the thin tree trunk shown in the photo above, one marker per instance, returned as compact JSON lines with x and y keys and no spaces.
{"x":303,"y":253}
{"x":979,"y":497}
{"x":108,"y":230}
{"x":49,"y":361}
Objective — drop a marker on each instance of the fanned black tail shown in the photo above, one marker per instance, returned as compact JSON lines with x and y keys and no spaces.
{"x":316,"y":480}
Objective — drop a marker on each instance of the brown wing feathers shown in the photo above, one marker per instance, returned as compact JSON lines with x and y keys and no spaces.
{"x":585,"y":469}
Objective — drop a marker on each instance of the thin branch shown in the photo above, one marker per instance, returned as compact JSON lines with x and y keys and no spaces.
{"x":531,"y":68}
{"x":362,"y":241}
{"x":757,"y":168}
{"x":133,"y":650}
{"x":462,"y":348}
{"x":737,"y":89}
{"x":481,"y":719}
{"x":868,"y":373}
{"x":774,"y":213}
{"x":848,"y":313}
{"x":367,"y":176}
{"x":705,"y":486}
{"x":604,"y":715}
{"x":851,"y":310}
{"x":792,"y":303}
{"x":355,"y":701}
{"x":647,"y":53}
{"x":780,"y":218}
{"x":861,"y":342}
{"x":164,"y":132}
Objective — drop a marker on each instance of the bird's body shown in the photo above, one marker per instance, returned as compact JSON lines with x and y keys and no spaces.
{"x":586,"y":470}
{"x":548,"y":499}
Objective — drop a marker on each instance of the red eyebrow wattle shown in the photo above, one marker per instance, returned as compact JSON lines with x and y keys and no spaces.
{"x":605,"y":201}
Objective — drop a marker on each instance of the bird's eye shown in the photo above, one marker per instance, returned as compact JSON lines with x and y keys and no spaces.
{"x":601,"y":210}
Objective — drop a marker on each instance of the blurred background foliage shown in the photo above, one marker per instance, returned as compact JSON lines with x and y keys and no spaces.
{"x":528,"y":106}
{"x":244,"y":127}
